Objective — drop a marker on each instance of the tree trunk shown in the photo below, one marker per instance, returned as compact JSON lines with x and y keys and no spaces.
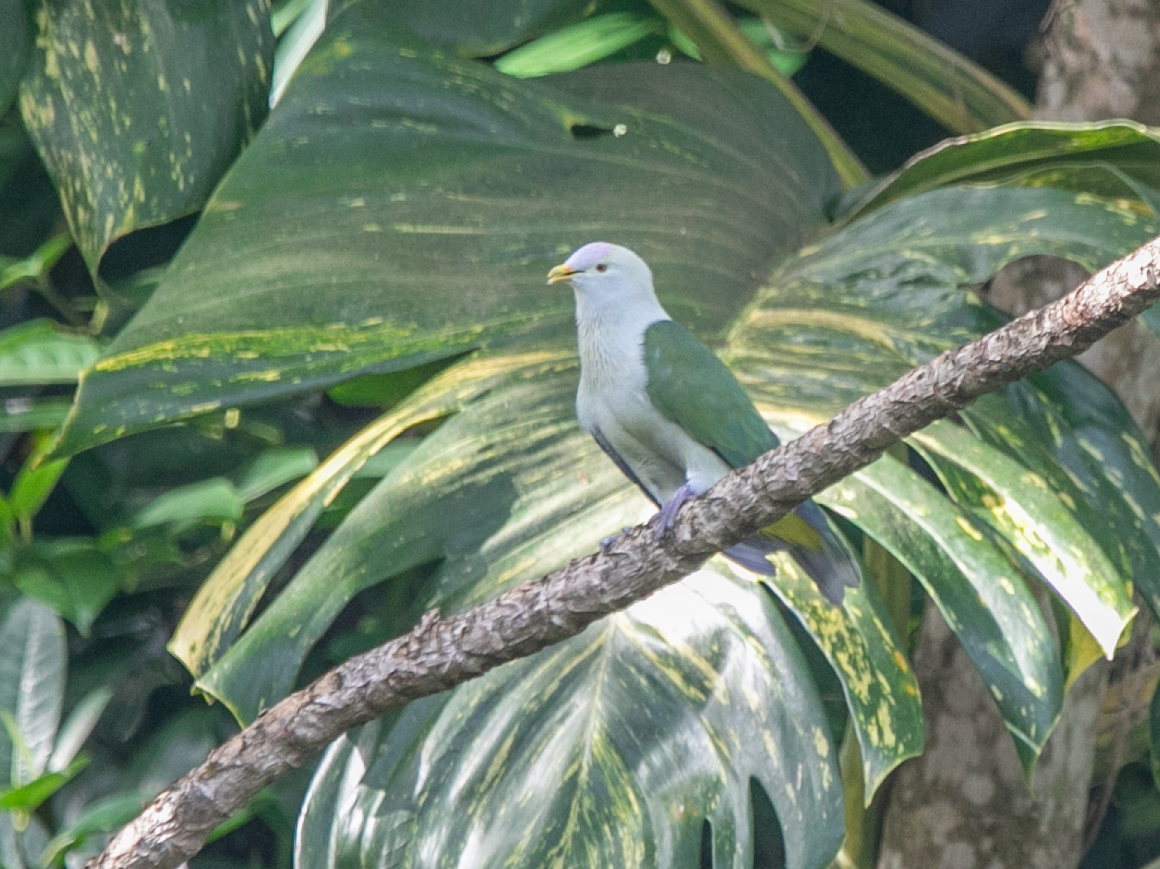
{"x":965,"y":803}
{"x":1101,"y":61}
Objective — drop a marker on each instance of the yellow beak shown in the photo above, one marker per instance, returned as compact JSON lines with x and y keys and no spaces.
{"x":560,"y":274}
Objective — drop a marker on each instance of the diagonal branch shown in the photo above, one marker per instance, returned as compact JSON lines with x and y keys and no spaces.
{"x":442,"y":653}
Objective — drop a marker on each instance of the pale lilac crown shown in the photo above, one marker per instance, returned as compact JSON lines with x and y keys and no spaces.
{"x":589,"y":255}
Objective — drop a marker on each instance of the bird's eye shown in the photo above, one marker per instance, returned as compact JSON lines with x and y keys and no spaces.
{"x":602,"y":267}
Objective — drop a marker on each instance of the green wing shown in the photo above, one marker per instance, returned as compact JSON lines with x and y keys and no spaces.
{"x":692,"y":387}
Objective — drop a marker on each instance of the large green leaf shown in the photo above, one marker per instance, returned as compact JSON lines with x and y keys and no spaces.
{"x":138,"y":107}
{"x":223,"y":605}
{"x":883,"y":295}
{"x":502,"y":491}
{"x":554,"y":760}
{"x":509,"y":487}
{"x":402,"y":206}
{"x":858,"y":641}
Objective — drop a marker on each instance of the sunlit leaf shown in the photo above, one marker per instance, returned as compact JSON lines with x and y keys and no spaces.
{"x":486,"y":472}
{"x":15,"y":47}
{"x":137,"y":108}
{"x":305,"y":20}
{"x":223,"y":605}
{"x":859,"y":642}
{"x":554,"y":759}
{"x":578,"y":45}
{"x":1064,"y":422}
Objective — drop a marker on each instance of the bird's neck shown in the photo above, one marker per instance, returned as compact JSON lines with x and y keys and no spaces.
{"x":611,"y":340}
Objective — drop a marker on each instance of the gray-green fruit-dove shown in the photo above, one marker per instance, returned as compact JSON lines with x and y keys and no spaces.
{"x":673,"y":417}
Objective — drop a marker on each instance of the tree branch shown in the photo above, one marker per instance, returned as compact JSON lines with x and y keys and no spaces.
{"x":442,"y":653}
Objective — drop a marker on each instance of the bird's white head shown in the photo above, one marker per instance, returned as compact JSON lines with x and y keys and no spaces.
{"x":607,"y":275}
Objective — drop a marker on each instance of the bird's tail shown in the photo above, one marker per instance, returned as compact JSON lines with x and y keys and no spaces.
{"x":814,"y":543}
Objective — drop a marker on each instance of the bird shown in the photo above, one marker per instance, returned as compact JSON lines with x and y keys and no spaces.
{"x":672,"y":416}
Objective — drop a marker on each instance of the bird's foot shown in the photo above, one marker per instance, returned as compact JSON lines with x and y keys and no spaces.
{"x":668,"y":513}
{"x":605,"y":542}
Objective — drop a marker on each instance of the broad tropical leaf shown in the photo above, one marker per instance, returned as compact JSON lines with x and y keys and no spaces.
{"x":808,"y":345}
{"x":1092,"y":436}
{"x":983,"y":594}
{"x":138,"y":108}
{"x":568,"y":767}
{"x":402,"y":206}
{"x":520,"y":488}
{"x":1037,"y":522}
{"x":885,"y":294}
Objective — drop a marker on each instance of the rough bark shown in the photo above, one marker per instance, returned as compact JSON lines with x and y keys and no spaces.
{"x":1127,"y":360}
{"x":441,"y":653}
{"x":965,"y":802}
{"x":1102,"y":60}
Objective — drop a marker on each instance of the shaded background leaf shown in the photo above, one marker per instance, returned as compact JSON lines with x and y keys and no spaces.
{"x":137,"y":108}
{"x":15,"y":46}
